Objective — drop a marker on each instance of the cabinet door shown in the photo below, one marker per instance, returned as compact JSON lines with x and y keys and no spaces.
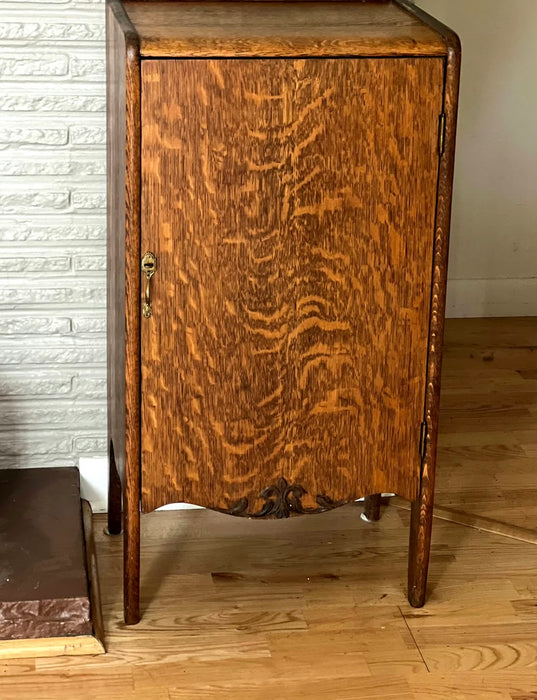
{"x":290,"y":205}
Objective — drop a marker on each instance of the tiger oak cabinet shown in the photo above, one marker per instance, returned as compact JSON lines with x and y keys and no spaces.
{"x":279,"y":204}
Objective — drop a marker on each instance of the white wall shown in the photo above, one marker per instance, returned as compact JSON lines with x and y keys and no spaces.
{"x":52,"y":232}
{"x":493,"y":255}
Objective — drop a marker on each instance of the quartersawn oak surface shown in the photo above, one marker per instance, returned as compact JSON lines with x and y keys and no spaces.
{"x":288,"y":203}
{"x":190,"y":29}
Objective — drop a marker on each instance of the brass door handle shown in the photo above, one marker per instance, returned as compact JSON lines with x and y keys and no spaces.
{"x":149,"y":267}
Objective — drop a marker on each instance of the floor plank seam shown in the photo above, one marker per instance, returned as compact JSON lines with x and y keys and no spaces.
{"x":414,"y":639}
{"x":481,"y":523}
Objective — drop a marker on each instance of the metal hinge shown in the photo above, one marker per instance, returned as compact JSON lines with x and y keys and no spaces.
{"x":441,"y":133}
{"x":423,"y":439}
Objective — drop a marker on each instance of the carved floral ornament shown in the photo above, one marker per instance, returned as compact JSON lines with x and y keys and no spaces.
{"x":281,"y":501}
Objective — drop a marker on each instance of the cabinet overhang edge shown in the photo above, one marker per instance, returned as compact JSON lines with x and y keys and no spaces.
{"x":267,"y":57}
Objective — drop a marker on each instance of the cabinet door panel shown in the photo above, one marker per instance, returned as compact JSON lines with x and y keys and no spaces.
{"x":290,"y":204}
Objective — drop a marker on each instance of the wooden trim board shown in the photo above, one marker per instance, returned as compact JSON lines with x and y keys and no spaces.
{"x":50,"y":646}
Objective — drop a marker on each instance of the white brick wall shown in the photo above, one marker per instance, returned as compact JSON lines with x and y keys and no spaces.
{"x":52,"y":232}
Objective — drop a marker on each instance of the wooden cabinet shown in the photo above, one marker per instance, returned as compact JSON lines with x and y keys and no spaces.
{"x":285,"y":168}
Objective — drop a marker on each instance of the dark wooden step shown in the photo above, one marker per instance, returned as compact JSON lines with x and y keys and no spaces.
{"x":44,"y":590}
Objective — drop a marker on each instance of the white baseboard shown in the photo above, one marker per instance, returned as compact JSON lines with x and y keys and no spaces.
{"x":94,"y":482}
{"x":491,"y":297}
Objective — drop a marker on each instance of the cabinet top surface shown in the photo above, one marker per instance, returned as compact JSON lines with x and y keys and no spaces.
{"x":227,"y":28}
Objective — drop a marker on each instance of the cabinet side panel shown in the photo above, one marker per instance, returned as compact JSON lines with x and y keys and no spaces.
{"x":290,"y":204}
{"x":123,"y":154}
{"x":116,"y":170}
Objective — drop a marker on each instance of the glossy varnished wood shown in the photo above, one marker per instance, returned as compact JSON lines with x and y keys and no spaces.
{"x":187,"y":29}
{"x":227,"y":29}
{"x":291,"y":302}
{"x":422,"y":507}
{"x":124,"y":175}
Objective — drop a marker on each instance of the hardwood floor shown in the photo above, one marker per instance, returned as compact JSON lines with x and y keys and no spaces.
{"x":315,"y":607}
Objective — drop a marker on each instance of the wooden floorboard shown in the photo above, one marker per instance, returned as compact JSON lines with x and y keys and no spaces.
{"x":315,"y":607}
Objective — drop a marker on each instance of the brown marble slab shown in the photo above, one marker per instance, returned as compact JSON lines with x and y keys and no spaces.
{"x":43,"y":578}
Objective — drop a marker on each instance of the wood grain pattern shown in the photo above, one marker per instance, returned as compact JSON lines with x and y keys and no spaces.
{"x":324,"y":29}
{"x":81,"y":645}
{"x":291,"y":301}
{"x":486,"y":467}
{"x":124,"y":178}
{"x":179,"y":29}
{"x":422,"y":507}
{"x":221,"y":593}
{"x":481,"y":523}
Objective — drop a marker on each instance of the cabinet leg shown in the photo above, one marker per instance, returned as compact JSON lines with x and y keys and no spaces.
{"x":421,"y":522}
{"x":131,"y":558}
{"x":371,"y":508}
{"x":114,"y":495}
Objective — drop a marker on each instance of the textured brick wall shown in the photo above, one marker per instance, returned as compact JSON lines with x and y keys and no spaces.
{"x":52,"y":232}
